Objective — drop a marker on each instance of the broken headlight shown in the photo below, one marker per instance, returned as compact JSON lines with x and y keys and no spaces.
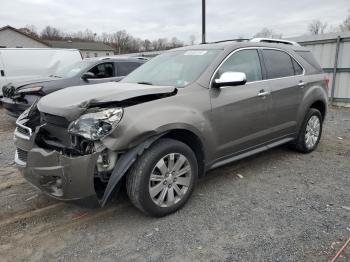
{"x":33,"y":89}
{"x":94,"y":126}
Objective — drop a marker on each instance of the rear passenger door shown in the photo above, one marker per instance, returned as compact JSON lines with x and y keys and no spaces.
{"x":286,"y":80}
{"x":241,"y":113}
{"x":125,"y":68}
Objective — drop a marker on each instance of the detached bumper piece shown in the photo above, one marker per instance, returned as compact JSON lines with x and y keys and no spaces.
{"x":14,"y":108}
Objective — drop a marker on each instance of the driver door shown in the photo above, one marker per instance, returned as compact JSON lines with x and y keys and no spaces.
{"x":240,"y":114}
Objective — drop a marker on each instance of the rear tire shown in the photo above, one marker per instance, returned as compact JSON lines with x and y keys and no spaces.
{"x":163,"y":178}
{"x":310,"y":132}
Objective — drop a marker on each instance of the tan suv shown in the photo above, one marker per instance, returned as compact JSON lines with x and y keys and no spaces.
{"x":177,"y":116}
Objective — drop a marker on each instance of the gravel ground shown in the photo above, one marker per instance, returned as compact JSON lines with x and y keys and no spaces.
{"x":277,"y":206}
{"x":7,"y":150}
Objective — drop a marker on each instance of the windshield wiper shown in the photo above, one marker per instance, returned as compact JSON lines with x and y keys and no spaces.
{"x":55,"y":76}
{"x":145,"y":83}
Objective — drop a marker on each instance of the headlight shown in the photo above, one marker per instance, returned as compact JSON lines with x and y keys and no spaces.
{"x":29,"y":89}
{"x":96,"y":125}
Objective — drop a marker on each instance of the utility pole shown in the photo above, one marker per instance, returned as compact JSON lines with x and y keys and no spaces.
{"x":203,"y":21}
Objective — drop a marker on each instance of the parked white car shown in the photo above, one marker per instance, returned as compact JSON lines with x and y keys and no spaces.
{"x":21,"y":64}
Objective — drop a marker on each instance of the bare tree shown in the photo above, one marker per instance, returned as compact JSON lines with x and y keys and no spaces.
{"x":317,"y":27}
{"x":105,"y":38}
{"x":174,"y":43}
{"x":29,"y":30}
{"x":51,"y":33}
{"x":147,"y":45}
{"x":192,"y":39}
{"x":264,"y":32}
{"x":345,"y":26}
{"x":121,"y":40}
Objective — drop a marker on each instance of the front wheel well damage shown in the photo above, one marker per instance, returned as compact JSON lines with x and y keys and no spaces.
{"x":191,"y":140}
{"x":127,"y":159}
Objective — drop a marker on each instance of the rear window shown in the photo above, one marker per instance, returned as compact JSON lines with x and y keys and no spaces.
{"x":310,"y":59}
{"x":279,"y":64}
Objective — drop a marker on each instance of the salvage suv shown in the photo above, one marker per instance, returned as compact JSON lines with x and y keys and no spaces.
{"x":181,"y":114}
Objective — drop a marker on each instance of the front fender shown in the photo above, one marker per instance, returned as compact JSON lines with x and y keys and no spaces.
{"x":156,"y":117}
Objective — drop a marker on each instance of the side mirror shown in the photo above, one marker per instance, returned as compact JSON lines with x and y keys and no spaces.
{"x":231,"y":79}
{"x":88,"y":75}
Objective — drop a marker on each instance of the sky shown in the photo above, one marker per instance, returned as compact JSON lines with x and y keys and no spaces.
{"x":152,"y":19}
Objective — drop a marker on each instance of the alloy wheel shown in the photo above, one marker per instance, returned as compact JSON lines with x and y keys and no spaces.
{"x":170,"y":180}
{"x":312,"y":133}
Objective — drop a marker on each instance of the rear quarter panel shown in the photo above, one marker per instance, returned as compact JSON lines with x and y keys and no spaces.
{"x":315,"y":90}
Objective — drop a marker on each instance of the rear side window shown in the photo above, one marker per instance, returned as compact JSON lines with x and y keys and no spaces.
{"x":297,"y":68}
{"x":308,"y":57}
{"x":125,"y":68}
{"x":280,"y":64}
{"x":245,"y":61}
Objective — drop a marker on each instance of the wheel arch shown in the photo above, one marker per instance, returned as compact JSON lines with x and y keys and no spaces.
{"x":191,"y":140}
{"x":320,"y":106}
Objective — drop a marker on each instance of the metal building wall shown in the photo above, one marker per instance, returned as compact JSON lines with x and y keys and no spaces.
{"x":333,"y":53}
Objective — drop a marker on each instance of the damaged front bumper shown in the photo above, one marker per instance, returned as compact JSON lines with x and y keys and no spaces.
{"x":61,"y":166}
{"x":61,"y":176}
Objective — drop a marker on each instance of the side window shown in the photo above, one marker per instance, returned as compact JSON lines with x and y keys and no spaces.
{"x":298,"y":70}
{"x":104,"y":70}
{"x":245,"y":61}
{"x":308,"y":57}
{"x":125,"y":68}
{"x":278,"y":64}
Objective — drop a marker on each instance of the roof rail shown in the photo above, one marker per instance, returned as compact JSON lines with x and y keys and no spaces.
{"x":274,"y":41}
{"x":229,"y":40}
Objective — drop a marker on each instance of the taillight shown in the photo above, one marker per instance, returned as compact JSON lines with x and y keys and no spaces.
{"x":326,"y":81}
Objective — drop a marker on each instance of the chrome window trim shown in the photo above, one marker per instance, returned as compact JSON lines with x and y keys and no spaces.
{"x":256,"y":48}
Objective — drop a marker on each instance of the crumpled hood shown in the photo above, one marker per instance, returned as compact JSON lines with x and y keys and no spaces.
{"x":73,"y":101}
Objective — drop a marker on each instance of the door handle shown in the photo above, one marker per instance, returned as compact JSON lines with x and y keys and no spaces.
{"x":263,"y":93}
{"x":301,"y":84}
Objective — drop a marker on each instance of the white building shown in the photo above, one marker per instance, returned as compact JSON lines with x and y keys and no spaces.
{"x":87,"y":49}
{"x":13,"y":38}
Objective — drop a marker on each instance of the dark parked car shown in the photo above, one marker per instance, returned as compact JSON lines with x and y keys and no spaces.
{"x":19,"y":96}
{"x":181,"y":114}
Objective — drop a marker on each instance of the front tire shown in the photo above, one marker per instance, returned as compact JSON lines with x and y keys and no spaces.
{"x":310,"y":132}
{"x":163,"y":178}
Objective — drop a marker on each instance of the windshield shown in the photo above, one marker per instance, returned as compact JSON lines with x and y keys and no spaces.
{"x":176,"y":68}
{"x":73,"y":69}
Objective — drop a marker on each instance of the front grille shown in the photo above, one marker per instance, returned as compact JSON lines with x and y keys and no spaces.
{"x":8,"y":91}
{"x":22,"y":155}
{"x":54,"y":120}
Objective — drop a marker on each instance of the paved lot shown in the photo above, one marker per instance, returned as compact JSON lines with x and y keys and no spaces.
{"x":285,"y":207}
